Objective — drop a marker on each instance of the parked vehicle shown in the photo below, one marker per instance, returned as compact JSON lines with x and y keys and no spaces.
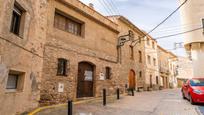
{"x":193,"y":90}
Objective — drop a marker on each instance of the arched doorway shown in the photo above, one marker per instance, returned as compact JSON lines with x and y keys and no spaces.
{"x":131,"y":79}
{"x":85,"y":80}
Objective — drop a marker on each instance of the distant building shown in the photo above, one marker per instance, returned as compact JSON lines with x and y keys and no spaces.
{"x":192,"y":15}
{"x":152,"y":67}
{"x":185,"y":70}
{"x":167,"y":68}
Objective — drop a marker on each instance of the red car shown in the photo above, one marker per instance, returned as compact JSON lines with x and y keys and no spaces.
{"x":193,"y":90}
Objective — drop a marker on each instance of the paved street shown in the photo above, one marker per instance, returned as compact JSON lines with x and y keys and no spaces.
{"x":165,"y":102}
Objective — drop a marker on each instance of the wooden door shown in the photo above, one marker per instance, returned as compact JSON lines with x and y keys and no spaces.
{"x":85,"y":80}
{"x":150,"y":81}
{"x":131,"y":79}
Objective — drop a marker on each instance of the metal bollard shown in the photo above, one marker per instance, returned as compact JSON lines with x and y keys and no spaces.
{"x":70,"y":107}
{"x":132,"y":92}
{"x":104,"y":97}
{"x":118,"y":93}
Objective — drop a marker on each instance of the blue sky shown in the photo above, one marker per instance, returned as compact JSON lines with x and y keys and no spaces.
{"x":146,"y":14}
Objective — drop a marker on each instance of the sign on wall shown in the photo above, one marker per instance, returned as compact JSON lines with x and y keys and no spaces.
{"x":101,"y":76}
{"x":88,"y":76}
{"x":60,"y":87}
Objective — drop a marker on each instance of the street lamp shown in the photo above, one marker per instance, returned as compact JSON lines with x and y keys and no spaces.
{"x":125,"y":38}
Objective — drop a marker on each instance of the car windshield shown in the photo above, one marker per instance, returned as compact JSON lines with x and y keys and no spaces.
{"x":197,"y":82}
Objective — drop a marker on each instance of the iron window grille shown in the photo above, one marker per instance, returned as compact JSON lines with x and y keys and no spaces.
{"x":62,"y":67}
{"x":12,"y":81}
{"x":108,"y":73}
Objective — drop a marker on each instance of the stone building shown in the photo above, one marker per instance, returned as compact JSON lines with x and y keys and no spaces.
{"x":192,"y":13}
{"x":173,"y":70}
{"x":22,"y":37}
{"x":80,"y":56}
{"x":152,"y":66}
{"x":163,"y":57}
{"x":167,"y":68}
{"x":132,"y":53}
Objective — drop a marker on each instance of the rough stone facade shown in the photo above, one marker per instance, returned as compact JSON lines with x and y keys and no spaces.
{"x":135,"y":62}
{"x":97,"y":47}
{"x":21,"y":55}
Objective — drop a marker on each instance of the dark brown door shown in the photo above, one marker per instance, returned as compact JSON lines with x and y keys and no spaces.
{"x":150,"y":81}
{"x":85,"y":80}
{"x":132,"y":79}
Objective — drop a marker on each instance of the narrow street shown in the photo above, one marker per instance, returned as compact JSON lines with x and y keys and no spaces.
{"x":165,"y":102}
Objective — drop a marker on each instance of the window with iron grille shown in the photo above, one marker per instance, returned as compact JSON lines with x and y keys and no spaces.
{"x":67,"y":24}
{"x":108,"y":73}
{"x":62,"y":67}
{"x":16,"y":19}
{"x":12,"y":81}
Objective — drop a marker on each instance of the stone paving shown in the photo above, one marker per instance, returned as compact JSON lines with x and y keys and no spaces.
{"x":165,"y":102}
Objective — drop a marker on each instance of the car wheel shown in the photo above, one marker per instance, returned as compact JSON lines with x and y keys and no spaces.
{"x":183,"y":95}
{"x":191,"y":100}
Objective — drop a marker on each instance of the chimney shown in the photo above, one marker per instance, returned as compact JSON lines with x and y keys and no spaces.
{"x":91,"y":5}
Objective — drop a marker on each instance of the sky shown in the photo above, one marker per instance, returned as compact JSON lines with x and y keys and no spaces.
{"x":146,"y":14}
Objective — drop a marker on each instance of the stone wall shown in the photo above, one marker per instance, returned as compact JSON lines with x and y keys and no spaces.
{"x":22,"y":54}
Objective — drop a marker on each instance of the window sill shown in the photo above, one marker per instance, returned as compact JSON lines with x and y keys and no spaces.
{"x":18,"y":36}
{"x":13,"y":91}
{"x":67,"y":32}
{"x":61,"y":75}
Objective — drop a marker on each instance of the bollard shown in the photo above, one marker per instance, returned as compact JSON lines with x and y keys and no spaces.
{"x":132,"y":92}
{"x":118,"y":93}
{"x":104,"y":97}
{"x":70,"y":107}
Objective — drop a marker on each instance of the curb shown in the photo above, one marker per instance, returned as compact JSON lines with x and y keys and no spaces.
{"x":65,"y":104}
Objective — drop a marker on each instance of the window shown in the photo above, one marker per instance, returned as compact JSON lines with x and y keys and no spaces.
{"x":140,"y":39}
{"x":15,"y":81}
{"x":148,"y":41}
{"x":62,"y":67}
{"x":153,"y":45}
{"x":12,"y":81}
{"x":157,"y":80}
{"x":67,"y":24}
{"x":140,"y":74}
{"x":149,"y":59}
{"x":108,"y":72}
{"x":140,"y":56}
{"x":154,"y":60}
{"x":16,"y":19}
{"x":131,"y":52}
